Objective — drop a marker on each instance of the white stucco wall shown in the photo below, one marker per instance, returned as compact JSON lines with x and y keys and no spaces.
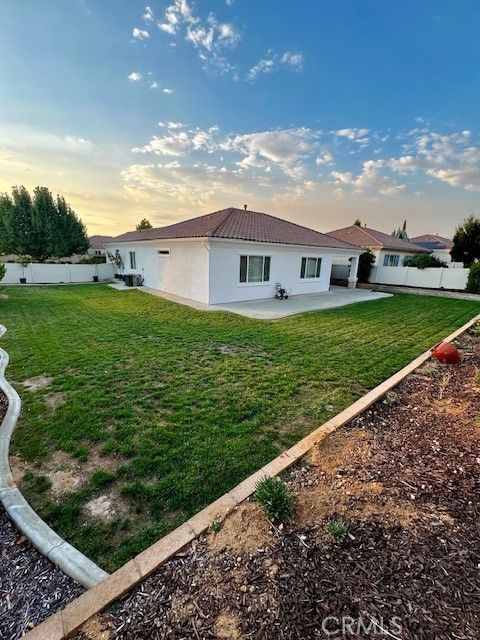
{"x":209,"y":270}
{"x":183,"y":273}
{"x":285,"y":264}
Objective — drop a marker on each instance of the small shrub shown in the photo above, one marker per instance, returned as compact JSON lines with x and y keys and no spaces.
{"x":423,"y":261}
{"x":338,"y":529}
{"x":216,"y":526}
{"x":275,"y":499}
{"x":3,"y":271}
{"x":365,"y":265}
{"x":473,"y":280}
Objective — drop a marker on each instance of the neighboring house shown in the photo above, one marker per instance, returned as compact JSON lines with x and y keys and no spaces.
{"x":389,"y":251}
{"x":97,"y":245}
{"x":233,"y":255}
{"x":440,"y":247}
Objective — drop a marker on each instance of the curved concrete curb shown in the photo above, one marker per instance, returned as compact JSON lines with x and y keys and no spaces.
{"x":67,"y":621}
{"x":61,"y":553}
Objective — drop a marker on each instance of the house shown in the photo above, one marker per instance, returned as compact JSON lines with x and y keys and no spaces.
{"x":233,"y":255}
{"x":97,"y":246}
{"x":389,"y":251}
{"x":440,"y":247}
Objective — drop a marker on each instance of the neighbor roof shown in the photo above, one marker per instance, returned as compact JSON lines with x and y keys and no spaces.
{"x":238,"y":224}
{"x":373,"y":239}
{"x":98,"y":242}
{"x":432,"y":241}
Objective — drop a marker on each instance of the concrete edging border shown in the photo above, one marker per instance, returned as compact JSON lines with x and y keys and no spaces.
{"x":60,"y":552}
{"x":64,"y":623}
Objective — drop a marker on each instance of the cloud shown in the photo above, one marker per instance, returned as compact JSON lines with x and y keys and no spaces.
{"x":140,"y":34}
{"x":324,"y":158}
{"x":354,"y":135}
{"x":178,"y":143}
{"x":210,"y":37}
{"x":148,"y":15}
{"x":274,"y":62}
{"x":368,"y":182}
{"x":449,"y":158}
{"x":23,"y":137}
{"x":285,"y":148}
{"x":167,"y":91}
{"x":135,"y":76}
{"x":154,"y":85}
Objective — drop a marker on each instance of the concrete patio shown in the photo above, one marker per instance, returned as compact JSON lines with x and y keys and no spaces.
{"x":272,"y":309}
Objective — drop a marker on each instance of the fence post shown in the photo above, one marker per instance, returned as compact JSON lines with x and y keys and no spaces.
{"x":441,"y":278}
{"x":405,"y":282}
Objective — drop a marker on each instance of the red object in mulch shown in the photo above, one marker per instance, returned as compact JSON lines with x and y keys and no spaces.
{"x":446,"y":352}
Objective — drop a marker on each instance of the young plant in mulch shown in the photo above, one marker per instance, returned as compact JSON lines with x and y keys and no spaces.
{"x":338,"y":529}
{"x":275,"y":499}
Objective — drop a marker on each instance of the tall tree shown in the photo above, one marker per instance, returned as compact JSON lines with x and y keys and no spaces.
{"x":401,"y":232}
{"x":357,"y":223}
{"x":40,"y":228}
{"x":466,"y":241}
{"x":144,"y":224}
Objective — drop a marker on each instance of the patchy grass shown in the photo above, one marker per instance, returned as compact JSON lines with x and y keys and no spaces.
{"x":275,"y":498}
{"x":189,"y":403}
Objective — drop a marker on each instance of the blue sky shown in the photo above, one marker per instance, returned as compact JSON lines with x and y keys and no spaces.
{"x":320,"y":112}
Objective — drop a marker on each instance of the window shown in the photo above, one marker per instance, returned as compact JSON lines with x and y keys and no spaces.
{"x":310,"y":268}
{"x":254,"y":268}
{"x":133,"y":260}
{"x":391,"y":260}
{"x":163,"y":252}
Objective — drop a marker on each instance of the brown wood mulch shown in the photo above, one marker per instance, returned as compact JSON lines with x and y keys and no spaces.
{"x":405,"y":476}
{"x":31,"y":587}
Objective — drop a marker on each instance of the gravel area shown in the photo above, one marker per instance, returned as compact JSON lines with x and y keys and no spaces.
{"x":31,"y":587}
{"x":404,"y":477}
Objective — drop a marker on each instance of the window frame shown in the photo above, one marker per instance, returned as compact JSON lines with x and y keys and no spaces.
{"x":304,"y":268}
{"x":387,"y":260}
{"x":132,"y":256}
{"x":266,"y":260}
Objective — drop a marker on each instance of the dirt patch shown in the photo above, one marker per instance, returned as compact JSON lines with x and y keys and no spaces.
{"x":246,"y":530}
{"x":54,"y":400}
{"x":226,"y":627}
{"x":38,"y":382}
{"x":339,"y":448}
{"x":4,"y":296}
{"x":94,"y":629}
{"x":65,"y":473}
{"x":105,"y":508}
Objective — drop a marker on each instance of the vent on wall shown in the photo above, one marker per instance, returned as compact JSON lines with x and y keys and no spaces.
{"x":163,"y":252}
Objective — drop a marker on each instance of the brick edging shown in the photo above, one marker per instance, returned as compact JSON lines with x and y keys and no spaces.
{"x":43,"y":538}
{"x":66,"y":622}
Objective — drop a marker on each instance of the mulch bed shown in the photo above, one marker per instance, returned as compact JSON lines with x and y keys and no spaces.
{"x":31,"y":587}
{"x":404,"y":476}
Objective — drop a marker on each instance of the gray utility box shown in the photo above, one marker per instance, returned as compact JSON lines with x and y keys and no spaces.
{"x":132,"y":280}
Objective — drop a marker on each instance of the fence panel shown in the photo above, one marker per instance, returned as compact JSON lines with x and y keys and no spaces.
{"x":36,"y":273}
{"x":434,"y":278}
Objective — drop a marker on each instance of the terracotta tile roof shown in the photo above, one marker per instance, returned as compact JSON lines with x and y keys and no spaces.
{"x":432,"y":241}
{"x":372,"y":239}
{"x":98,"y":242}
{"x":238,"y":224}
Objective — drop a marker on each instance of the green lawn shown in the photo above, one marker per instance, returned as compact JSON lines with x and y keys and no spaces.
{"x":186,"y":403}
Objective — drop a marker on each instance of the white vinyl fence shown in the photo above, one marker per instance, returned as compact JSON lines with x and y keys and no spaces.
{"x":56,"y":273}
{"x":433,"y":278}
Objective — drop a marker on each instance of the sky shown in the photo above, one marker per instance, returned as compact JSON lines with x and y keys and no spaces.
{"x":319,"y":112}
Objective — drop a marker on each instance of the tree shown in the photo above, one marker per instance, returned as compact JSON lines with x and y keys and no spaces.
{"x":473,"y":280}
{"x":466,"y":241}
{"x":401,"y":232}
{"x":144,"y":224}
{"x":357,"y":223}
{"x":365,"y":264}
{"x":39,"y":228}
{"x":423,"y":261}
